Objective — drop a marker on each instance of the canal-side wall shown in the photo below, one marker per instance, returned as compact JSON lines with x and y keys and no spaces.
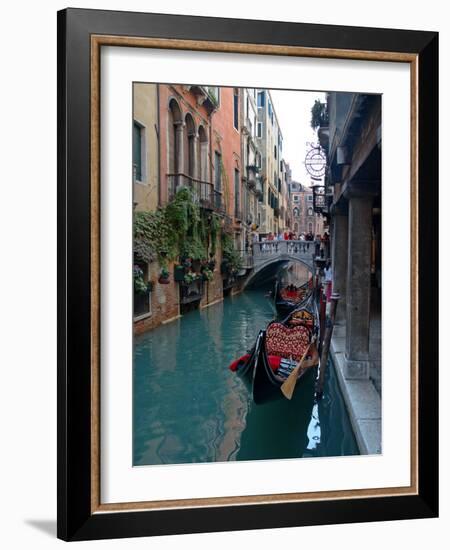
{"x":362,"y":400}
{"x":165,"y":298}
{"x":213,"y":290}
{"x":164,"y":301}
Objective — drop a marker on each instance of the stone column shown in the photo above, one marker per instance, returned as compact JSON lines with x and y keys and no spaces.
{"x":357,"y":364}
{"x":339,"y":254}
{"x":179,"y":147}
{"x":196,"y":167}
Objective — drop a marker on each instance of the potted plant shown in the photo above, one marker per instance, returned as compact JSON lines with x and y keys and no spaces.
{"x":207,"y":274}
{"x":190,"y":277}
{"x":164,"y":278}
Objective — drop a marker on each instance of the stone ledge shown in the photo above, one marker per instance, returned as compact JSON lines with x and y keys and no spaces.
{"x":362,"y":402}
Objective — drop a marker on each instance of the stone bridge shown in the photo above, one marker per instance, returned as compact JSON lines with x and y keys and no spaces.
{"x":269,"y":255}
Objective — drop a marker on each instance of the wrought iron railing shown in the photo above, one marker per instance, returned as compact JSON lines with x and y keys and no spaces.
{"x":203,"y":191}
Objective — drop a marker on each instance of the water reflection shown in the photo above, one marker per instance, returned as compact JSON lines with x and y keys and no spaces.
{"x":189,"y":407}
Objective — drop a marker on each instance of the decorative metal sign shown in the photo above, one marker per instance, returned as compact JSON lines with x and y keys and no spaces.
{"x":319,"y":201}
{"x":315,"y":161}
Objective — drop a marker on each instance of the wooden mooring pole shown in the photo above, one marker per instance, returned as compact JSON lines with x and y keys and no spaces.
{"x":329,"y":325}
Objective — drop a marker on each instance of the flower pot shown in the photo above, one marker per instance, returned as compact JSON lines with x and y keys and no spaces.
{"x":163,"y":280}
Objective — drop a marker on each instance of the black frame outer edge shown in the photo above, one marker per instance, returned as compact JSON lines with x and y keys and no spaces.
{"x":428,"y":120}
{"x":61,"y":291}
{"x":75,"y":521}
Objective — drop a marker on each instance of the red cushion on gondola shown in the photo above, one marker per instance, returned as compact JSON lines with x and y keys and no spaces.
{"x":234,"y":364}
{"x":287,"y":342}
{"x":293,"y":295}
{"x":274,"y":362}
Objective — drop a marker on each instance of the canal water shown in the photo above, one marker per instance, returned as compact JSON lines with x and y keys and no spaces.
{"x":189,"y":407}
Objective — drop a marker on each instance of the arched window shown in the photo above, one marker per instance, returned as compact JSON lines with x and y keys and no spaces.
{"x":190,"y":164}
{"x":175,"y":138}
{"x":203,"y":153}
{"x":310,"y":211}
{"x":296,"y":212}
{"x":310,"y":227}
{"x":296,"y":227}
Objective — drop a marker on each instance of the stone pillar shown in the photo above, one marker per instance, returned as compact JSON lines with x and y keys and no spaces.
{"x":204,"y":161}
{"x":179,"y":148}
{"x":339,"y":253}
{"x":195,"y":160}
{"x":357,"y":364}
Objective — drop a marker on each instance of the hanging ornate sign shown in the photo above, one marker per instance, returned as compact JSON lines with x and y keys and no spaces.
{"x":315,"y":161}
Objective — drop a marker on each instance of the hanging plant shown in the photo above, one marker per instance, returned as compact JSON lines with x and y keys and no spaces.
{"x":182,"y":230}
{"x":194,"y":249}
{"x":164,"y":276}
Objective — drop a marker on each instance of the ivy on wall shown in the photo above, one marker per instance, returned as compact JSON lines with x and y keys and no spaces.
{"x":229,"y":254}
{"x":178,"y":230}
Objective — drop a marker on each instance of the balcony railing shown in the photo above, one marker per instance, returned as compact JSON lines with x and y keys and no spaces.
{"x":203,"y":191}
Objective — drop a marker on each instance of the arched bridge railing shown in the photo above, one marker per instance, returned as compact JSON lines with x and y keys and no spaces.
{"x":268,"y":251}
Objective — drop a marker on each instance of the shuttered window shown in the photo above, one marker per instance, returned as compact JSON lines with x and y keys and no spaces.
{"x":137,"y":152}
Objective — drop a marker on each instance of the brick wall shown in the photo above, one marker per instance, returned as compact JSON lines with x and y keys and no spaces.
{"x":164,"y":301}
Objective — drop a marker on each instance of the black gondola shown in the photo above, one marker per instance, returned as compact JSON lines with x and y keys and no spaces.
{"x":268,"y":365}
{"x":287,"y":297}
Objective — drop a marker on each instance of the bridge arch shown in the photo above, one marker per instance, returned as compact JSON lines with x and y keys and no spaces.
{"x":269,"y":256}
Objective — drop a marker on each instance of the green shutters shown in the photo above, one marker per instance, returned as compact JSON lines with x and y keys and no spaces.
{"x":236,"y":109}
{"x":236,"y":194}
{"x":137,"y":151}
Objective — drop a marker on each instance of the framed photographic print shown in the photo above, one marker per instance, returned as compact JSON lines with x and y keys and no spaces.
{"x":247,"y":274}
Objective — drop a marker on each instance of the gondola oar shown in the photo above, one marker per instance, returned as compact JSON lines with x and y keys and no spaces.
{"x":288,"y":385}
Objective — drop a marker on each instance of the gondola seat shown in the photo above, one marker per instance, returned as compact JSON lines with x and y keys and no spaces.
{"x":287,"y":342}
{"x":291,"y":295}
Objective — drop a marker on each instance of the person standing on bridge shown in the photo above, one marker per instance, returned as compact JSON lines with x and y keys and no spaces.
{"x":303,"y":242}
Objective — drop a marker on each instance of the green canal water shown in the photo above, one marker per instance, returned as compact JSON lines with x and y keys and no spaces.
{"x":189,"y":407}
